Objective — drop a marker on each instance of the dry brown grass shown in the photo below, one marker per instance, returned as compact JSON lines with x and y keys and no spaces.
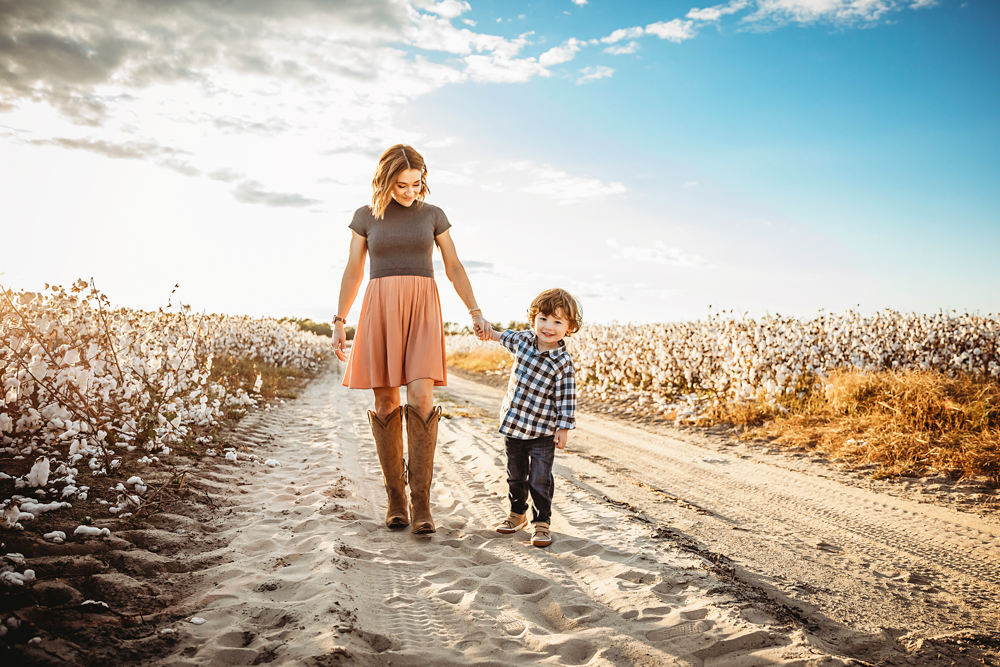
{"x":907,"y":423}
{"x":480,"y":360}
{"x":276,"y":382}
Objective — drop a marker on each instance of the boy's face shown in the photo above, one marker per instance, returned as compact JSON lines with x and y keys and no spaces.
{"x":550,"y":329}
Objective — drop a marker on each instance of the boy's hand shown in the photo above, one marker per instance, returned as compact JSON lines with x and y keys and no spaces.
{"x":561,"y":436}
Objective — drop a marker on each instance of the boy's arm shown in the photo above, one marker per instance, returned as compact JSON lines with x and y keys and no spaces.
{"x":495,"y":335}
{"x":509,"y":339}
{"x":565,"y":400}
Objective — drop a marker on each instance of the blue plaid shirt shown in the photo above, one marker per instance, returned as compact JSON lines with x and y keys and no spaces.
{"x":541,"y":394}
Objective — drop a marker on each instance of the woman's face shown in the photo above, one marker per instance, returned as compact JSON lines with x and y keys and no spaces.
{"x":407,"y":186}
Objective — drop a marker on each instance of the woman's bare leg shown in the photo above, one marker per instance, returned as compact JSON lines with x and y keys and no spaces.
{"x":387,"y":400}
{"x":419,"y":396}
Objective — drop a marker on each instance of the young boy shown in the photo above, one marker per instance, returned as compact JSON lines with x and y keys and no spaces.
{"x":538,"y":409}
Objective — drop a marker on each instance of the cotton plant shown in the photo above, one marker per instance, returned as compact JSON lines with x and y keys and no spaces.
{"x":677,"y":368}
{"x":83,"y":384}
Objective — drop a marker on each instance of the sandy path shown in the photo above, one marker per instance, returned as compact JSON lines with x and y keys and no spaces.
{"x":870,"y":573}
{"x":315,"y":578}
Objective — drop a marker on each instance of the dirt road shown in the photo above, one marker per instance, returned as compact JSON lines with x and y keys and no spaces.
{"x":665,"y":553}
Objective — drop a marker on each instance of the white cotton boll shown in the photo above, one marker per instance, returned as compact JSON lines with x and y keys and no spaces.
{"x":211,"y":452}
{"x":68,"y":491}
{"x":116,"y":463}
{"x":141,"y":488}
{"x":197,"y":620}
{"x":272,"y":463}
{"x":39,"y":475}
{"x":134,"y":479}
{"x":13,"y":623}
{"x":92,"y":531}
{"x":82,"y":495}
{"x":3,"y":630}
{"x":56,"y":536}
{"x":231,"y":456}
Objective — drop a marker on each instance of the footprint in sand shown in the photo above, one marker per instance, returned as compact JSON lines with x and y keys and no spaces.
{"x":511,"y":625}
{"x":680,"y":630}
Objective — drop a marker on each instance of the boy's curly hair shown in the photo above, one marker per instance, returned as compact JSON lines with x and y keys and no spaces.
{"x":556,"y":300}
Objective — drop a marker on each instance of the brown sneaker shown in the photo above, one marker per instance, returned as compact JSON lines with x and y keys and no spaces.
{"x":513,"y":523}
{"x":540,"y":536}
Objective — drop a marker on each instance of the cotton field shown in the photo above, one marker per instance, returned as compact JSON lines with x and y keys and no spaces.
{"x":728,"y":358}
{"x":81,"y":384}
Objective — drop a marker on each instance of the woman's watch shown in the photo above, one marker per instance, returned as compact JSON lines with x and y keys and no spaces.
{"x":338,"y":318}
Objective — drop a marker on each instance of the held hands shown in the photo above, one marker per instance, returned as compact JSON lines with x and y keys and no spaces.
{"x":340,"y":341}
{"x":560,"y":438}
{"x":481,"y":327}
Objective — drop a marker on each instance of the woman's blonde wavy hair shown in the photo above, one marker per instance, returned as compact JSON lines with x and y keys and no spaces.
{"x":394,"y":160}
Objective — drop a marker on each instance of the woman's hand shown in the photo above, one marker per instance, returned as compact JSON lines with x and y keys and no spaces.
{"x":482,"y":327}
{"x":340,"y":341}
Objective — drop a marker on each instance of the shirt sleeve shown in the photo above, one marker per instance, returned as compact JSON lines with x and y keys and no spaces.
{"x":509,"y":340}
{"x":565,"y":398}
{"x":441,"y":223}
{"x":360,"y":221}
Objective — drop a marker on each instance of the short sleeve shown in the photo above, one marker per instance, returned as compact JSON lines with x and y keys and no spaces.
{"x":441,"y":223}
{"x":360,"y":222}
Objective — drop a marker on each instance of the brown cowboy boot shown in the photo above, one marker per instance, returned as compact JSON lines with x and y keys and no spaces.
{"x":388,"y":436}
{"x":421,"y":437}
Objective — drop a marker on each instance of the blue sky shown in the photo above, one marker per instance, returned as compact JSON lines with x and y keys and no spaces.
{"x":654,"y":158}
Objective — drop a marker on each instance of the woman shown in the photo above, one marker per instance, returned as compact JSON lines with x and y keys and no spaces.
{"x":400,"y":335}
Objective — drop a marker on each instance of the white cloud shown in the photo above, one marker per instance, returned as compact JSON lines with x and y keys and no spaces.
{"x":469,"y":22}
{"x":675,"y":31}
{"x":612,"y":242}
{"x":547,"y":181}
{"x":438,"y":34}
{"x":594,"y":73}
{"x":661,"y":254}
{"x":622,"y":50}
{"x":690,"y":184}
{"x":448,"y":9}
{"x":561,"y":54}
{"x":718,"y":11}
{"x":921,"y":4}
{"x":500,"y":68}
{"x":808,"y":11}
{"x":623,"y":33}
{"x":580,"y":3}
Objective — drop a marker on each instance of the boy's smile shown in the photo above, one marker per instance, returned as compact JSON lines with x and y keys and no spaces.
{"x":550,"y":329}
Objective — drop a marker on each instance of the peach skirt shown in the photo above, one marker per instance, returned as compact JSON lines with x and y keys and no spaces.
{"x":400,"y":335}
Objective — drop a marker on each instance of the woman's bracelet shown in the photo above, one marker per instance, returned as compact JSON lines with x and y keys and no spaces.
{"x":476,"y":310}
{"x":338,"y":318}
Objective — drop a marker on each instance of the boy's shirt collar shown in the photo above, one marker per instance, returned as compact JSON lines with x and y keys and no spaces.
{"x":553,"y":354}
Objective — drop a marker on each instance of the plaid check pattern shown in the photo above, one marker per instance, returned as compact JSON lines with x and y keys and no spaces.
{"x":541,"y":395}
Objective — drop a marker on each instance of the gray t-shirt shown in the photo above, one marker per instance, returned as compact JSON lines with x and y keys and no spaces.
{"x":401,"y":243}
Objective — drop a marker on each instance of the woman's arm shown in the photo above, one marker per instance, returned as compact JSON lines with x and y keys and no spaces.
{"x":460,"y":280}
{"x":354,"y":273}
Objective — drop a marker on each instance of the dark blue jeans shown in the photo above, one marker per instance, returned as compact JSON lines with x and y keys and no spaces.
{"x":529,"y":471}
